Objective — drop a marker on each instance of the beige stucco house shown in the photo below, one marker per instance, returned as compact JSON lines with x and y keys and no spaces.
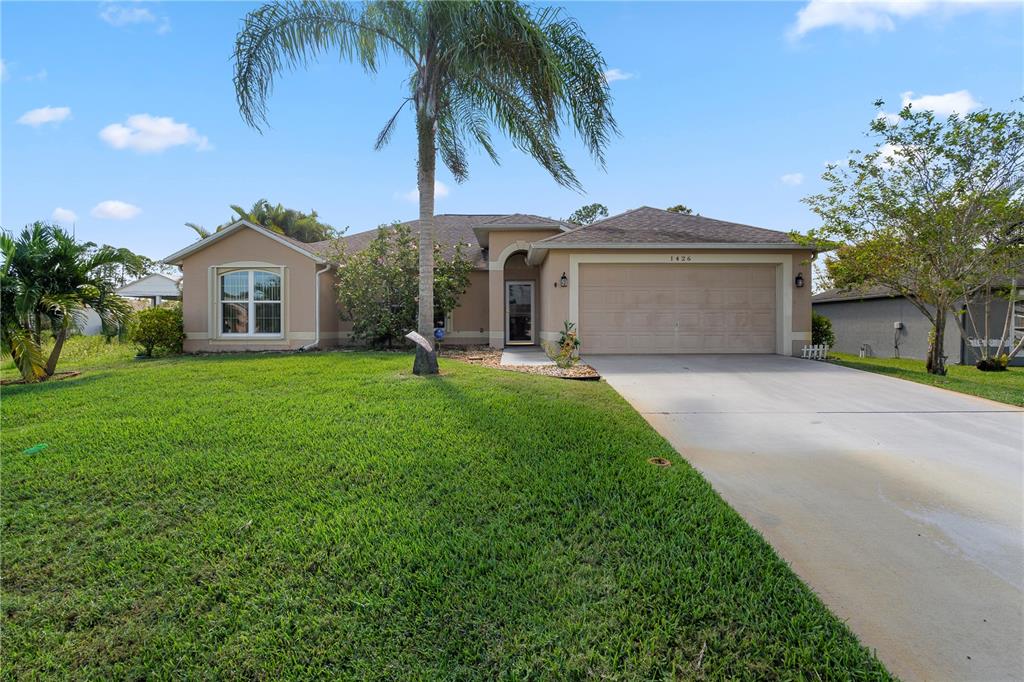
{"x":643,"y":281}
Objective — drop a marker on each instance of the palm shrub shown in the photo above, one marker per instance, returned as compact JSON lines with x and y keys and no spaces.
{"x":472,"y":66}
{"x":566,"y":353}
{"x":159,"y":328}
{"x":377,"y":286}
{"x":47,"y":281}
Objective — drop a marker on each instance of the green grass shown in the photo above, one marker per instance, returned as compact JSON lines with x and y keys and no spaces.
{"x":329,"y":515}
{"x":1004,"y":387}
{"x":80,"y":353}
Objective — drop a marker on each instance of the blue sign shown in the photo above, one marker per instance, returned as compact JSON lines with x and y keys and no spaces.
{"x":439,"y":334}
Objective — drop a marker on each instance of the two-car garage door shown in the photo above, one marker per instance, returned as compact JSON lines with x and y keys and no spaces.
{"x":677,"y":308}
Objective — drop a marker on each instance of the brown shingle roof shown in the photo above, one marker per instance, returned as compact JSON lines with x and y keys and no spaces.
{"x":449,"y":229}
{"x":646,"y":225}
{"x":520,"y":219}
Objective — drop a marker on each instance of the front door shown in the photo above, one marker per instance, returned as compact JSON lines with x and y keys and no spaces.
{"x":519,"y":312}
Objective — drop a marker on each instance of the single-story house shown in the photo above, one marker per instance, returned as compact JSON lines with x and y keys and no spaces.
{"x":150,"y":290}
{"x":643,"y":281}
{"x":154,"y":287}
{"x":879,"y":324}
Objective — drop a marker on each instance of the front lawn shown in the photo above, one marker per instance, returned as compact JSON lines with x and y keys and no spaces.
{"x":1004,"y":387}
{"x":329,"y":515}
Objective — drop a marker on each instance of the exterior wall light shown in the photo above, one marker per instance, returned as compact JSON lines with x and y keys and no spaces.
{"x":799,"y":281}
{"x":563,"y":281}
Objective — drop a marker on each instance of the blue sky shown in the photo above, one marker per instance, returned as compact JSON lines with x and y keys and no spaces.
{"x":123,"y":115}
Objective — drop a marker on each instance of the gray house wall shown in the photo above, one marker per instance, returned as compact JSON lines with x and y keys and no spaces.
{"x":870,"y":321}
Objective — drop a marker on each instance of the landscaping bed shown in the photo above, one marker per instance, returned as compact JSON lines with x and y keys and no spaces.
{"x":331,"y":515}
{"x":486,"y":356}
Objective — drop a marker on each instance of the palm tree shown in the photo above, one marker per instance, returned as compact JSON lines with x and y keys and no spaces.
{"x":306,"y":227}
{"x":47,"y":276}
{"x":473,"y":66}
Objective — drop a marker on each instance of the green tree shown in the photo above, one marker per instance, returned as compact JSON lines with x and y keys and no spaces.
{"x":378,"y":287}
{"x":473,"y":66}
{"x":48,"y":280}
{"x":584,"y":215}
{"x":680,"y":208}
{"x":933,"y":212}
{"x":305,"y":227}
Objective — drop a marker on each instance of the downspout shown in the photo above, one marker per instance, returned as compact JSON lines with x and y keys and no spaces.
{"x":316,"y":310}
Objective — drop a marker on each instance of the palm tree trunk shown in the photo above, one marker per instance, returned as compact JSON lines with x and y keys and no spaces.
{"x":51,"y":363}
{"x":426,"y":362}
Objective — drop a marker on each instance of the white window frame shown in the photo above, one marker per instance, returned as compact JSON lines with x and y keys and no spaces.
{"x":250,"y":303}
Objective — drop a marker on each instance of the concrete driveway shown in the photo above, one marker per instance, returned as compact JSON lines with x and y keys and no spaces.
{"x":898,"y":503}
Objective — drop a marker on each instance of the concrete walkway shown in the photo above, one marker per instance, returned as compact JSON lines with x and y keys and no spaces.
{"x":900,"y":504}
{"x":529,"y":356}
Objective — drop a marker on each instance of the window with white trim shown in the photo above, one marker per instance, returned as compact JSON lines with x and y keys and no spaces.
{"x":250,"y":303}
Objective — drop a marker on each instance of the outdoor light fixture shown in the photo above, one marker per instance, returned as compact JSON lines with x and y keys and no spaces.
{"x":564,"y":281}
{"x":799,"y":281}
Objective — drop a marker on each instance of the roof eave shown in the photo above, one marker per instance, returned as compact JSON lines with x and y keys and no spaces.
{"x":675,"y":245}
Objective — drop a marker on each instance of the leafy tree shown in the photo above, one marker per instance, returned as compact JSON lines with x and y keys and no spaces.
{"x":680,"y":208}
{"x":305,"y":227}
{"x":48,"y":277}
{"x":473,"y":66}
{"x":934,"y":212}
{"x":160,"y":328}
{"x":584,"y":215}
{"x":378,"y":288}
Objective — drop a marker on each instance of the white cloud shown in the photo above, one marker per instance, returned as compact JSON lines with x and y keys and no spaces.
{"x":874,"y":15}
{"x":4,"y":74}
{"x":120,"y":16}
{"x":112,"y":209}
{"x":43,"y":115}
{"x":64,"y":215}
{"x":39,"y":75}
{"x":959,"y":102}
{"x":145,"y":133}
{"x":792,"y":179}
{"x":612,"y":75}
{"x":440,"y":192}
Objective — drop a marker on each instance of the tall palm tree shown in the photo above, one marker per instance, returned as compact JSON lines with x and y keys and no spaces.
{"x":473,"y":66}
{"x":46,"y":276}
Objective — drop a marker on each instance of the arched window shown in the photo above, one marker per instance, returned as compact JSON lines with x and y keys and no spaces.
{"x":250,"y":303}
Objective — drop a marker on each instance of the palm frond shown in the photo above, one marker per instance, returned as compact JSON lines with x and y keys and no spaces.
{"x":289,"y":35}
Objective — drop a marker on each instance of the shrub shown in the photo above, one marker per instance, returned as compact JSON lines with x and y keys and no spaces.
{"x":821,"y":331}
{"x":159,"y":329}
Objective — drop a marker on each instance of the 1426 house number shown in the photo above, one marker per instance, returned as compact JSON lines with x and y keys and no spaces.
{"x":680,"y":259}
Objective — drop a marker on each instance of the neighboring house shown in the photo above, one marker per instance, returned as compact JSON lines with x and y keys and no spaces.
{"x":644,"y":281}
{"x":885,"y":326}
{"x":154,"y":288}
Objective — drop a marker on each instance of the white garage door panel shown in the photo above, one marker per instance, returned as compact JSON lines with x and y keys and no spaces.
{"x":677,"y":308}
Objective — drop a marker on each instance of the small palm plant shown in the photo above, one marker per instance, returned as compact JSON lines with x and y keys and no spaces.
{"x":48,"y":277}
{"x":567,"y":352}
{"x":473,"y":66}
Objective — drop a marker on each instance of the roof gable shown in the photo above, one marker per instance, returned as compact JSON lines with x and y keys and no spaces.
{"x":154,"y":284}
{"x":307,"y":250}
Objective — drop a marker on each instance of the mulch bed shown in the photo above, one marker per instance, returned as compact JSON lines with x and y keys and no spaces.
{"x":57,"y":376}
{"x":491,"y":357}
